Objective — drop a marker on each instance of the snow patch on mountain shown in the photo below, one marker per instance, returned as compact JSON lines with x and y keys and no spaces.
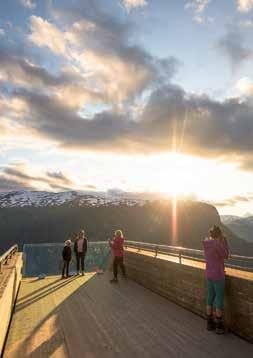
{"x":71,"y":198}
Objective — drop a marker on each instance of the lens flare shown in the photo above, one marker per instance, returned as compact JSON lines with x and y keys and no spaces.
{"x":174,"y":220}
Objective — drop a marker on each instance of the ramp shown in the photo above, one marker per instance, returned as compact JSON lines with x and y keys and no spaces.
{"x":89,"y":317}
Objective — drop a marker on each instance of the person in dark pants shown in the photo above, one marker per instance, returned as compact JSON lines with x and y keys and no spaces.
{"x":80,"y":248}
{"x":117,"y":246}
{"x":66,"y":255}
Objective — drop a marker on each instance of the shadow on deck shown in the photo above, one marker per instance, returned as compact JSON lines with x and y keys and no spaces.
{"x":89,"y":317}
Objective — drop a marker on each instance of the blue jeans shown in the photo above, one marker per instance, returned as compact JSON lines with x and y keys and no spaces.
{"x":215,"y":292}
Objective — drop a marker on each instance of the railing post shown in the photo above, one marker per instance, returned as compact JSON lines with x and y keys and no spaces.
{"x":156,"y":251}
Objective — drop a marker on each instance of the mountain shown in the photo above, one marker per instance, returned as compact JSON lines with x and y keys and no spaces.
{"x":70,"y":198}
{"x":241,"y":226}
{"x":39,"y":217}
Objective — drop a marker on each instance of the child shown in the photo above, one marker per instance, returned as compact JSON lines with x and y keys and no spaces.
{"x":117,"y":246}
{"x":66,"y":255}
{"x":216,"y":250}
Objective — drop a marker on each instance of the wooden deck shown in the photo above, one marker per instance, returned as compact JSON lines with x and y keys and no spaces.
{"x":89,"y":317}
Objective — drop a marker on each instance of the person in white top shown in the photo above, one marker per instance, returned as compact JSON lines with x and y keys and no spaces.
{"x":80,"y":248}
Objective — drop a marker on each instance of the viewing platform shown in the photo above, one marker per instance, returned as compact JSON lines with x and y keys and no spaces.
{"x":87,"y":316}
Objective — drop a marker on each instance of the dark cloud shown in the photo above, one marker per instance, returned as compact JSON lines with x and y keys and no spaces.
{"x":237,"y":199}
{"x":232,"y":46}
{"x":112,"y":39}
{"x":19,"y":179}
{"x":20,"y":72}
{"x":60,"y":177}
{"x":8,"y":184}
{"x":17,"y":68}
{"x":171,"y":119}
{"x":21,"y":175}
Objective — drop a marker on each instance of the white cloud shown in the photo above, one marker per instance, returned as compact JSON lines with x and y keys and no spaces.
{"x":129,"y":4}
{"x":198,"y":7}
{"x":111,"y":70}
{"x":245,"y":86}
{"x":2,"y":32}
{"x":28,"y":3}
{"x":244,"y":5}
{"x":43,"y":33}
{"x":246,"y":23}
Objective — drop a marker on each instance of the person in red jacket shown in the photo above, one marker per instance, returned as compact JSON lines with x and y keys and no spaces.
{"x":117,"y":246}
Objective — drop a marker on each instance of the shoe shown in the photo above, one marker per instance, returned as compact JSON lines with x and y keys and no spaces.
{"x":83,"y":273}
{"x":220,"y":329}
{"x":114,"y":280}
{"x":62,"y":277}
{"x":210,"y":323}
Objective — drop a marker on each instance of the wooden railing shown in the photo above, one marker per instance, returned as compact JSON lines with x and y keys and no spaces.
{"x":8,"y":255}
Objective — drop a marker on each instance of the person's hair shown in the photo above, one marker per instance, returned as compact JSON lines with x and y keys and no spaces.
{"x":119,"y":233}
{"x":216,"y":233}
{"x":68,"y":243}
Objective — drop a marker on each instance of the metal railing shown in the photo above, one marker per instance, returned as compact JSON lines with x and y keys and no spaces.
{"x":8,"y":255}
{"x":234,"y":261}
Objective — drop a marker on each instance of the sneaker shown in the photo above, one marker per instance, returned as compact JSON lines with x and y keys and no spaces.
{"x":82,"y":273}
{"x":220,"y":329}
{"x":114,"y":280}
{"x":210,"y":323}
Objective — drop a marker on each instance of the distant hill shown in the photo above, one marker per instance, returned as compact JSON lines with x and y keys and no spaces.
{"x":241,"y":226}
{"x":39,"y":217}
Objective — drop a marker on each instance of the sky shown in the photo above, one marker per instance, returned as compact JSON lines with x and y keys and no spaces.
{"x":150,"y":96}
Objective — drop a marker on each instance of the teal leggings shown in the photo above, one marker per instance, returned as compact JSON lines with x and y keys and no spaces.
{"x":215,"y":291}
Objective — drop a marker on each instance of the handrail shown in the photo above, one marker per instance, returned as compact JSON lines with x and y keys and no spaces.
{"x":193,"y":254}
{"x":7,"y":255}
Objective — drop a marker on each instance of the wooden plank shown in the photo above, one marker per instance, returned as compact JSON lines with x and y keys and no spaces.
{"x":90,"y":317}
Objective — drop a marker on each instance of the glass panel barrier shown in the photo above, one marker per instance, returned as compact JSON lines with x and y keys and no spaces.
{"x":46,"y":259}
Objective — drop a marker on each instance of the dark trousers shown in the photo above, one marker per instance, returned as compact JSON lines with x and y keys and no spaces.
{"x":80,"y":256}
{"x":65,"y":267}
{"x":118,"y":261}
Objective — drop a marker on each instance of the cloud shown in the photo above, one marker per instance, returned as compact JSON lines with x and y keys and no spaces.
{"x":30,"y":4}
{"x":172,"y":119}
{"x":8,"y":184}
{"x":244,"y":5}
{"x":21,"y":72}
{"x":245,"y":86}
{"x":246,"y":23}
{"x":19,"y":176}
{"x":101,"y":47}
{"x":59,"y":176}
{"x":198,"y":7}
{"x":2,"y":32}
{"x":45,"y":34}
{"x":129,"y":4}
{"x":231,"y":45}
{"x":233,"y":201}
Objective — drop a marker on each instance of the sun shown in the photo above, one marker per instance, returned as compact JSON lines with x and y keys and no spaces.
{"x":171,"y":174}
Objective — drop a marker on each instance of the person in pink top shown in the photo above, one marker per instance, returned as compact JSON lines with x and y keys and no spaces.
{"x":117,"y":247}
{"x":216,"y":250}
